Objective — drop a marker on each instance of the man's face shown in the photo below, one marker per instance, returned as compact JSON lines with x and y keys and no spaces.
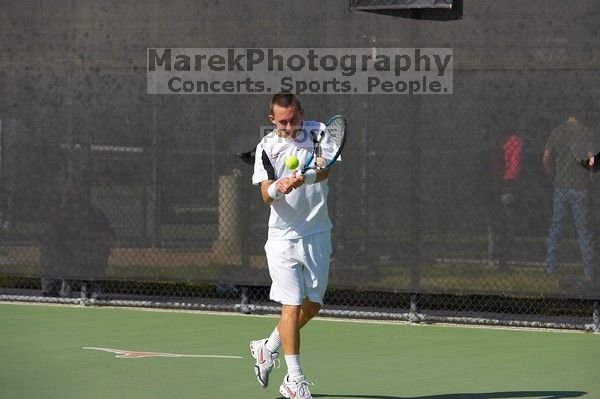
{"x":287,"y":119}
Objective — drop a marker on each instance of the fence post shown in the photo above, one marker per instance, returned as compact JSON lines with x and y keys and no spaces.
{"x":244,"y":233}
{"x":596,"y":317}
{"x":416,"y":222}
{"x":413,"y":315}
{"x":228,"y":245}
{"x":244,"y":301}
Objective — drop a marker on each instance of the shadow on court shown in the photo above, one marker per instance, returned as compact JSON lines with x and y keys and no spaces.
{"x":483,"y":395}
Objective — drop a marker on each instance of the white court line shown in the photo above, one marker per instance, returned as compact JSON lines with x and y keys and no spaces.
{"x":126,"y":354}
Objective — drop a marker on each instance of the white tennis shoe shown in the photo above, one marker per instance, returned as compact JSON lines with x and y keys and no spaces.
{"x":295,"y":389}
{"x":265,"y":361}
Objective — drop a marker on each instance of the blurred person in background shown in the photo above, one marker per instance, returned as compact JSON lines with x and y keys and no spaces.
{"x":505,"y":163}
{"x":566,"y":146}
{"x":76,"y":247}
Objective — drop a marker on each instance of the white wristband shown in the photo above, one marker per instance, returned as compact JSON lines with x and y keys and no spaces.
{"x":273,"y":193}
{"x":310,"y":176}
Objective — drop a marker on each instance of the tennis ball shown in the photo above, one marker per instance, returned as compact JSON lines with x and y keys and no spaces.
{"x":292,"y":162}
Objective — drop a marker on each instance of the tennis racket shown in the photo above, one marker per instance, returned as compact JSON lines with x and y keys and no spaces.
{"x":336,"y":131}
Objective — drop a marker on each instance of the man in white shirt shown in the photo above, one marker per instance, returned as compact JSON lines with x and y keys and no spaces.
{"x":299,"y":241}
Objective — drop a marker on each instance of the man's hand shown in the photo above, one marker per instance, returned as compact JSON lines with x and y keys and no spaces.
{"x":297,"y":179}
{"x":286,"y":184}
{"x":546,"y":162}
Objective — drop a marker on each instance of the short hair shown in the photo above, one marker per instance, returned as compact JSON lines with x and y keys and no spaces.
{"x":575,"y":111}
{"x":285,"y":99}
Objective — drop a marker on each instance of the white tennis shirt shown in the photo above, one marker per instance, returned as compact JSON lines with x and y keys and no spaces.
{"x":303,"y":211}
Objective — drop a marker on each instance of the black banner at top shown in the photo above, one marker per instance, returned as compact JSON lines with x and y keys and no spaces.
{"x":399,"y":4}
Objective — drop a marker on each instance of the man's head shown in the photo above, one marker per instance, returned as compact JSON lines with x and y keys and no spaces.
{"x":573,"y":115}
{"x":286,"y":113}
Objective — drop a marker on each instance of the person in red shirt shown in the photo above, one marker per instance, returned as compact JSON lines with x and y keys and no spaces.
{"x":506,"y":167}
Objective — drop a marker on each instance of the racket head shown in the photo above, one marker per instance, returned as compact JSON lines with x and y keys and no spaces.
{"x":335,"y":130}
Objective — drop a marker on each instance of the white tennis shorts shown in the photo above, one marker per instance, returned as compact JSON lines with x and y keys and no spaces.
{"x":299,"y":268}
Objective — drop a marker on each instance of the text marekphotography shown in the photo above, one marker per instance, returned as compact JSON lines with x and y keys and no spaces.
{"x":300,"y":70}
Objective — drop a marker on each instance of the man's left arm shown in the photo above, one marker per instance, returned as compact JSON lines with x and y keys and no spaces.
{"x":322,"y":174}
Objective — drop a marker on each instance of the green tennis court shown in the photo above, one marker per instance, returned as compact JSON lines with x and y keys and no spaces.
{"x":42,"y":356}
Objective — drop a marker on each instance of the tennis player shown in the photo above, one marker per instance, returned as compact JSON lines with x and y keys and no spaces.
{"x":299,"y":240}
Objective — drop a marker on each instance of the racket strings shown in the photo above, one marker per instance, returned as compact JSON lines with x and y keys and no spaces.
{"x":336,"y":130}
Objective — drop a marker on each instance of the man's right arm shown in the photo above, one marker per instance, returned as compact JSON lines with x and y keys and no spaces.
{"x":264,"y":174}
{"x":548,"y":152}
{"x":284,"y":186}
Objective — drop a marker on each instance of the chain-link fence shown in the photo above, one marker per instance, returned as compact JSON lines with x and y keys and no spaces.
{"x":443,"y":207}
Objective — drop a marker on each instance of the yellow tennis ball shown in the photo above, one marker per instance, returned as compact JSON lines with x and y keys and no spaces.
{"x":292,"y":162}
